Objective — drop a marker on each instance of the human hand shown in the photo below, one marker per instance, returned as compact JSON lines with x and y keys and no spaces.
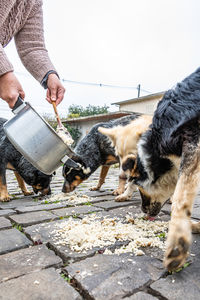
{"x":55,"y":89}
{"x":10,"y":89}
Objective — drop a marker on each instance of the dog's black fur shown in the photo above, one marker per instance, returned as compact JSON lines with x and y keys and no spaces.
{"x":94,"y":150}
{"x":168,"y":163}
{"x":9,"y":156}
{"x":175,"y":121}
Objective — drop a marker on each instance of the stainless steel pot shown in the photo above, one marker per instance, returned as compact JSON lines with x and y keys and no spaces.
{"x":36,"y":140}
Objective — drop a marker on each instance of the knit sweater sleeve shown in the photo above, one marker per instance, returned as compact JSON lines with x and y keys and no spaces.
{"x":31,"y":46}
{"x":5,"y":65}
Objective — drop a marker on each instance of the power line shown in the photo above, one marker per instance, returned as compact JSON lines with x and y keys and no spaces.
{"x":96,"y":84}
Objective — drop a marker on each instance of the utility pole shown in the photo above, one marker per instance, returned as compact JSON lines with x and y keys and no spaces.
{"x":138,"y":88}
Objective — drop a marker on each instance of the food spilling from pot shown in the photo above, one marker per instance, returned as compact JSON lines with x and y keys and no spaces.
{"x":64,"y":134}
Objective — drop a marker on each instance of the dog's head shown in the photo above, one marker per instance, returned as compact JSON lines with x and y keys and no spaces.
{"x":41,"y":183}
{"x":156,"y":183}
{"x":125,"y":139}
{"x":73,"y":176}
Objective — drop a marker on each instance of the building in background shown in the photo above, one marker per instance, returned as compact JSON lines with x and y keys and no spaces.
{"x":84,"y":124}
{"x":145,"y":105}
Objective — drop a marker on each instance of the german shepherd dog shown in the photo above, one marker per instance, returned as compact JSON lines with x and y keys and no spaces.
{"x":93,"y":151}
{"x":11,"y":159}
{"x":125,"y":139}
{"x":168,"y":164}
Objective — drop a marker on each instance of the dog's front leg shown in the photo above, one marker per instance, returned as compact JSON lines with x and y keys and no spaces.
{"x":122,"y":182}
{"x":127,"y":195}
{"x":22,"y":185}
{"x":3,"y":186}
{"x":103,"y":174}
{"x":179,"y":236}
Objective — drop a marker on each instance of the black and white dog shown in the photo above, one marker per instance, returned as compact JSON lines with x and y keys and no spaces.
{"x":168,"y":164}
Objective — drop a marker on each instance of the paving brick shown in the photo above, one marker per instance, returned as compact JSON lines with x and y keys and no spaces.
{"x":44,"y":285}
{"x":114,"y":277}
{"x":27,"y":219}
{"x":6,"y":212}
{"x":45,"y":233}
{"x":182,"y":285}
{"x":12,"y":239}
{"x":141,"y":296}
{"x":24,"y":261}
{"x":18,"y":202}
{"x":4,"y":223}
{"x":112,"y":204}
{"x":70,"y":211}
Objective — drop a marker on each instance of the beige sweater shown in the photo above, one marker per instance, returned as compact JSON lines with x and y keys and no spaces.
{"x":23,"y":20}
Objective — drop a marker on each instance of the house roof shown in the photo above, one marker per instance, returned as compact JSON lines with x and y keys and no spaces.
{"x":101,"y":117}
{"x":143,"y":98}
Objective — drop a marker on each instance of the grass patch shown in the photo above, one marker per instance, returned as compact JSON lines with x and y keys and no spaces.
{"x":17,"y":226}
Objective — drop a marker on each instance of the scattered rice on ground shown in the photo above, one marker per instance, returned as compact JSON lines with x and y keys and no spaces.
{"x":95,"y":231}
{"x":73,"y":198}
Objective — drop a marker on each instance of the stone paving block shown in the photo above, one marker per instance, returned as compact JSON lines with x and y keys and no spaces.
{"x":196,"y":213}
{"x":182,"y":285}
{"x":70,"y":211}
{"x":7,"y":212}
{"x":100,"y":193}
{"x":112,"y":204}
{"x":141,"y":296}
{"x":5,"y":223}
{"x":18,"y":202}
{"x":11,"y":240}
{"x":114,"y":277}
{"x":32,"y":218}
{"x":43,"y":285}
{"x":167,"y":208}
{"x":42,"y":232}
{"x":24,"y":261}
{"x":40,"y":207}
{"x":45,"y":233}
{"x":195,"y":247}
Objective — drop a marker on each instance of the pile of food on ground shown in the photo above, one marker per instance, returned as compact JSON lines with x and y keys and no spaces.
{"x":72,"y":198}
{"x":96,"y":231}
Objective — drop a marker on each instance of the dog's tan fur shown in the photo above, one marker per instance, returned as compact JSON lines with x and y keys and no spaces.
{"x":125,"y":139}
{"x":4,"y":196}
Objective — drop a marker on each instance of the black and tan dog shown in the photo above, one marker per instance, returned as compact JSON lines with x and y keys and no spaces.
{"x":93,"y":151}
{"x":125,"y":139}
{"x":168,"y":164}
{"x":11,"y":159}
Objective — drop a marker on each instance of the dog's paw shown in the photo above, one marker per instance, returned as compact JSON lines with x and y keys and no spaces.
{"x":28,"y":193}
{"x":94,"y":188}
{"x":178,"y":243}
{"x":121,"y":198}
{"x":117,"y":192}
{"x":4,"y":199}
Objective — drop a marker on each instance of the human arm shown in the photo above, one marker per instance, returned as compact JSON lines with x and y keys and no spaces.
{"x":33,"y":53}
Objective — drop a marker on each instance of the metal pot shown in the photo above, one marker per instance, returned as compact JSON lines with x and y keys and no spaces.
{"x":36,"y":140}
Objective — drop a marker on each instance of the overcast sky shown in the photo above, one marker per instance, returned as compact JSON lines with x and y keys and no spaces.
{"x":155,"y":43}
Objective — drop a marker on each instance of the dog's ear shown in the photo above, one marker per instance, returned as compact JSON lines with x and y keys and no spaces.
{"x":109,"y":132}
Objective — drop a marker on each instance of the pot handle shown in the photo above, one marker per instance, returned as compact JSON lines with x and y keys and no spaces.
{"x":70,"y":163}
{"x":19,"y":104}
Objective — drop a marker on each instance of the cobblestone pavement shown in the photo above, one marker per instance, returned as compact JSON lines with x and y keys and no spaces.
{"x":34,"y":266}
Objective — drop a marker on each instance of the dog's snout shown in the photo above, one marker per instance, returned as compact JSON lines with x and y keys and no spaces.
{"x":67,"y":187}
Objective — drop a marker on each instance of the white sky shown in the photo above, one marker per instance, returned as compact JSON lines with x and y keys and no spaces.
{"x":122,"y":42}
